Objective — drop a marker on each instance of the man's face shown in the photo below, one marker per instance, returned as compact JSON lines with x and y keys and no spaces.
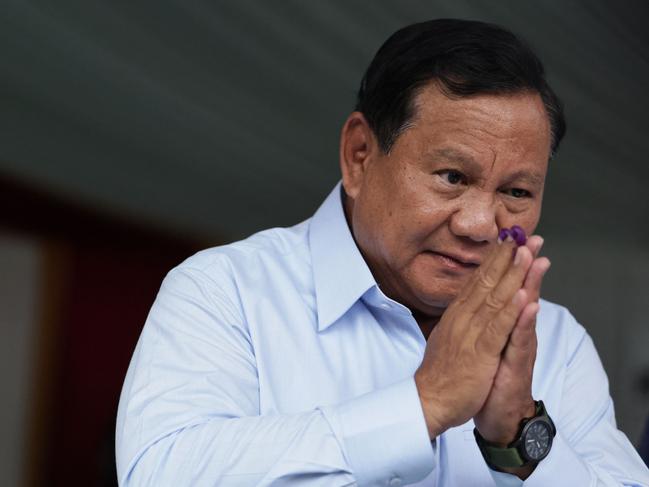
{"x":426,"y":214}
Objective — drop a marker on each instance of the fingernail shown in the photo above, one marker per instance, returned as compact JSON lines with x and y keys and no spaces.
{"x":502,"y":235}
{"x":517,"y":258}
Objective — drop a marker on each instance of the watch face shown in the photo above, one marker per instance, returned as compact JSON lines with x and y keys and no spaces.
{"x":537,"y":440}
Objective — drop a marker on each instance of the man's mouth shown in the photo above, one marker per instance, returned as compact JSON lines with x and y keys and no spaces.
{"x":456,"y":261}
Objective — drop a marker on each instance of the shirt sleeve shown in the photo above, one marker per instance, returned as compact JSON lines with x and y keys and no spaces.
{"x":189,"y":410}
{"x":588,"y":449}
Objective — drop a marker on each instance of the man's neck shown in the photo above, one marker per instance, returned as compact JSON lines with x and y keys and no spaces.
{"x":426,"y":323}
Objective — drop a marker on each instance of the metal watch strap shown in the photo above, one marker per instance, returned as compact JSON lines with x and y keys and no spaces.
{"x":509,"y":457}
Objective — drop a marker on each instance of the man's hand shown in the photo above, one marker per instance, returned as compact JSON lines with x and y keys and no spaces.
{"x":464,"y":349}
{"x":510,"y":399}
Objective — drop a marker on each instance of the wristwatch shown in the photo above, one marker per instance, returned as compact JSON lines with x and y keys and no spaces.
{"x":531,"y":445}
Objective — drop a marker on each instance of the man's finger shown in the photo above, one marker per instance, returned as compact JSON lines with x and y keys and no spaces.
{"x":534,"y":243}
{"x":466,"y":291}
{"x":495,"y":333}
{"x":520,"y":351}
{"x":535,"y":276}
{"x":498,"y":297}
{"x":488,"y":276}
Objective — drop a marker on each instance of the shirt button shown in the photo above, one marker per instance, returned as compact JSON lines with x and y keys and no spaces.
{"x":386,"y":306}
{"x":395,"y":482}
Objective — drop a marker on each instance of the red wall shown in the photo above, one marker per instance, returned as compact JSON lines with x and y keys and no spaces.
{"x":109,"y":277}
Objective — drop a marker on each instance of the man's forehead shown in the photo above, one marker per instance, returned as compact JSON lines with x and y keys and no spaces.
{"x":517,"y":121}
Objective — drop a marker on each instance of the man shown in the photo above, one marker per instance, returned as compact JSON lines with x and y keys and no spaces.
{"x":393,"y":338}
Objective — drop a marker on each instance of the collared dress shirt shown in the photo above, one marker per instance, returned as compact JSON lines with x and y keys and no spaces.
{"x":277,"y":360}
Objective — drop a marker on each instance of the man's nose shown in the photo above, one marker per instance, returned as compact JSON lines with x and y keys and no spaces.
{"x":476,"y":218}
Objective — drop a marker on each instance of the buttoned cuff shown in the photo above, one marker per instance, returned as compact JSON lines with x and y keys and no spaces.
{"x":384,"y":435}
{"x":562,"y":467}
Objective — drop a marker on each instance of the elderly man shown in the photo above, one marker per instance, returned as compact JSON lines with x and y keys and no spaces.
{"x":396,"y":337}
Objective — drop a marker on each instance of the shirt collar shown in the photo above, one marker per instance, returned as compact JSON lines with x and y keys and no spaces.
{"x":340,"y":273}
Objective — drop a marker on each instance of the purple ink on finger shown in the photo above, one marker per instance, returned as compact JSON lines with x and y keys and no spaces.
{"x":503,"y":234}
{"x":518,"y":234}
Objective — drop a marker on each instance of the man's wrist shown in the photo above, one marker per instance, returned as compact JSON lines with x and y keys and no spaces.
{"x":430,"y":409}
{"x":504,"y":434}
{"x":530,"y":446}
{"x":521,"y":472}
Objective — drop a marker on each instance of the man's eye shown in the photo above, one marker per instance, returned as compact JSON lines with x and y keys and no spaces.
{"x":519,"y":193}
{"x":452,"y":177}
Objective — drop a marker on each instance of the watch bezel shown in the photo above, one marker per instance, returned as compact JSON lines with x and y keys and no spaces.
{"x":523,"y":437}
{"x":514,"y":455}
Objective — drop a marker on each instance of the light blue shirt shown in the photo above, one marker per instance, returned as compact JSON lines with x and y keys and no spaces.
{"x":277,"y":360}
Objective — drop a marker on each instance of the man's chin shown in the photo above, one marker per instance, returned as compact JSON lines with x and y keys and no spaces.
{"x":435,"y":303}
{"x":432,"y":297}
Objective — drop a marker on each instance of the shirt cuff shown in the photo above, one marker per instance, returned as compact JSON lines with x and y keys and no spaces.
{"x":384,"y":435}
{"x":562,"y":467}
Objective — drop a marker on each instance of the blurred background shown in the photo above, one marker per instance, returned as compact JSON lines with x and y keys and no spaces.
{"x":134,"y":133}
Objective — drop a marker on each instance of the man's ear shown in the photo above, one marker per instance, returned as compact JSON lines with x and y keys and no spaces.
{"x":357,"y":148}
